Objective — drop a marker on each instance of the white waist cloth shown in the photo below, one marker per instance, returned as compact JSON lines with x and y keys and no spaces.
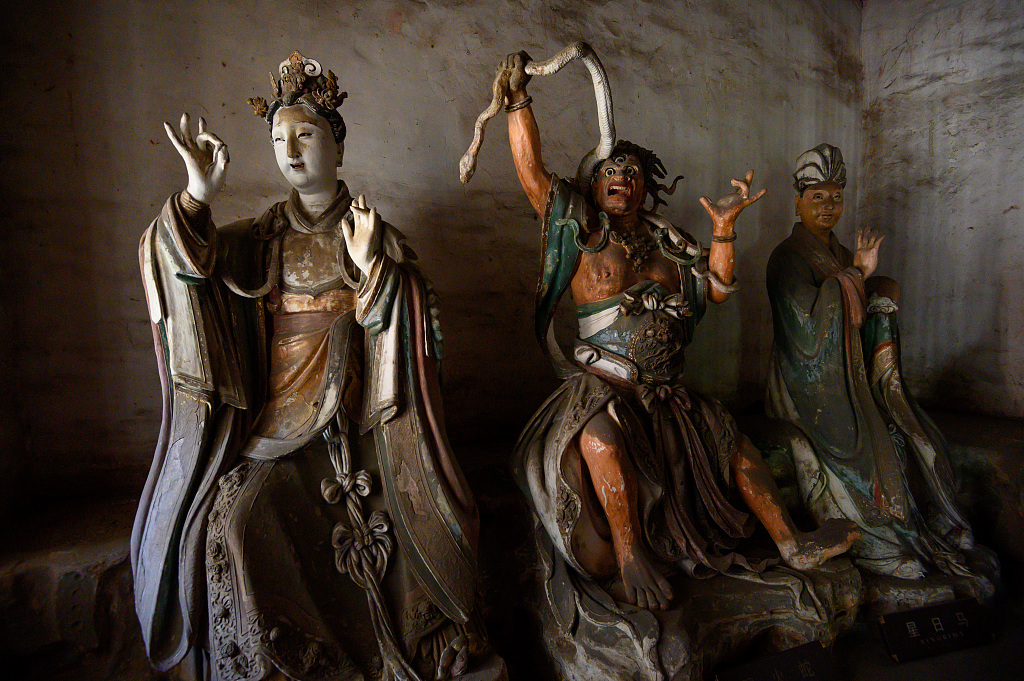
{"x":593,"y":323}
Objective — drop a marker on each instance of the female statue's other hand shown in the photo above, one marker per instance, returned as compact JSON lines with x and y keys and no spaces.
{"x":364,"y":236}
{"x":206,"y":159}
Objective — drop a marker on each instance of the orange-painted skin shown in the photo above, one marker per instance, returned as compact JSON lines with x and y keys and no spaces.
{"x":618,"y":190}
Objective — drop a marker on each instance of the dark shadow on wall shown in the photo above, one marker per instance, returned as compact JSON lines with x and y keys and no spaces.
{"x":959,"y":386}
{"x":12,"y":440}
{"x":485,"y":277}
{"x":969,"y":381}
{"x":56,"y":335}
{"x":755,"y":317}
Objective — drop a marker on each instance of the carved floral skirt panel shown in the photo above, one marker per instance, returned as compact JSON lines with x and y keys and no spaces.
{"x":276,"y":597}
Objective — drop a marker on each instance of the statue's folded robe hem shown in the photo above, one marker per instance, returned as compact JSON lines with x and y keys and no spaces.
{"x":212,"y":349}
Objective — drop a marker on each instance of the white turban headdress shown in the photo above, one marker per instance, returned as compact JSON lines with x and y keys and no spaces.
{"x":823,"y":163}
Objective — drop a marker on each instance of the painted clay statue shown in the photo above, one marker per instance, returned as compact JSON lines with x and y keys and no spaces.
{"x":640,"y":287}
{"x":863,"y":449}
{"x":304,"y":517}
{"x":635,"y":479}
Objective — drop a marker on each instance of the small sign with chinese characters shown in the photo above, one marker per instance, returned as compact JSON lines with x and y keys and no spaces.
{"x":809,"y":662}
{"x":936,"y":629}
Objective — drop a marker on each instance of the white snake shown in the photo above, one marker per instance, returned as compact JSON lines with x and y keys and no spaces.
{"x":605,"y":120}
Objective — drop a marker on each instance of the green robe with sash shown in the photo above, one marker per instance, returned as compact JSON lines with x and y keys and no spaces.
{"x":878,"y":459}
{"x":630,"y":363}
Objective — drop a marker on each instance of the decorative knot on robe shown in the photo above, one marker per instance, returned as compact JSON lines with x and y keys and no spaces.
{"x":334,"y":490}
{"x":362,"y":549}
{"x":651,"y":395}
{"x":674,"y":305}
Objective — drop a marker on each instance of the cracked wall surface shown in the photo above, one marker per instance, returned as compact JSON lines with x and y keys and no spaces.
{"x":715,"y":88}
{"x":939,"y":173}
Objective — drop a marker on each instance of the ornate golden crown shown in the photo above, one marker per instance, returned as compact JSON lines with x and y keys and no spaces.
{"x":301,"y":79}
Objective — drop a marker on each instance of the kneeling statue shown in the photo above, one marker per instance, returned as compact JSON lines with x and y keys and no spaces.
{"x":862,"y":447}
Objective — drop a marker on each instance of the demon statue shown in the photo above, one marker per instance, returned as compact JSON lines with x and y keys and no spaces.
{"x":641,"y":486}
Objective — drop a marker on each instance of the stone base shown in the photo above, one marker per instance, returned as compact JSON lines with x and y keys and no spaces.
{"x":884,"y":594}
{"x":739,"y":620}
{"x":721,"y":620}
{"x":66,"y":595}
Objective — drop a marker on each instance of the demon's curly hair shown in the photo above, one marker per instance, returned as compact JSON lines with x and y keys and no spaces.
{"x":653,"y":170}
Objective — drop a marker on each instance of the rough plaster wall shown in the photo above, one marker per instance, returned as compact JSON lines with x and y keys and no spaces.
{"x":715,"y":88}
{"x":11,"y":441}
{"x":940,"y":176}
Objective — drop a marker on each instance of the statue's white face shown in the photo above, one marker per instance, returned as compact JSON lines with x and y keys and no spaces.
{"x":305,"y":149}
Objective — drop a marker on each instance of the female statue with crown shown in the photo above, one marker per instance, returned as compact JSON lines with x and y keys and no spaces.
{"x":304,"y":516}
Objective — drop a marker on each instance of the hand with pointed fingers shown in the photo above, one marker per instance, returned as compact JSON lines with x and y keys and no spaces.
{"x":364,"y":235}
{"x":206,"y":158}
{"x":725,"y":211}
{"x":866,"y":257}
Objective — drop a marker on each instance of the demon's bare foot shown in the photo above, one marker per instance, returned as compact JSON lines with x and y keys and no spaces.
{"x":643,"y":583}
{"x":811,"y":549}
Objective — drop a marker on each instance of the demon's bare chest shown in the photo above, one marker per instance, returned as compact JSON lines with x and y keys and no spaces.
{"x":619,"y":265}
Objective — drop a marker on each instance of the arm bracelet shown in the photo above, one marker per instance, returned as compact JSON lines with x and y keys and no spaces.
{"x":521,"y":104}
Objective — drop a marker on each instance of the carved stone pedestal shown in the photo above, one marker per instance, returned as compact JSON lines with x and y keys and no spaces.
{"x":592,"y":637}
{"x":884,"y":594}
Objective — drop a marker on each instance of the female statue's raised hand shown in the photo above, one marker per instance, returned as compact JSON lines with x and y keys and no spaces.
{"x":206,"y":159}
{"x":364,"y":235}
